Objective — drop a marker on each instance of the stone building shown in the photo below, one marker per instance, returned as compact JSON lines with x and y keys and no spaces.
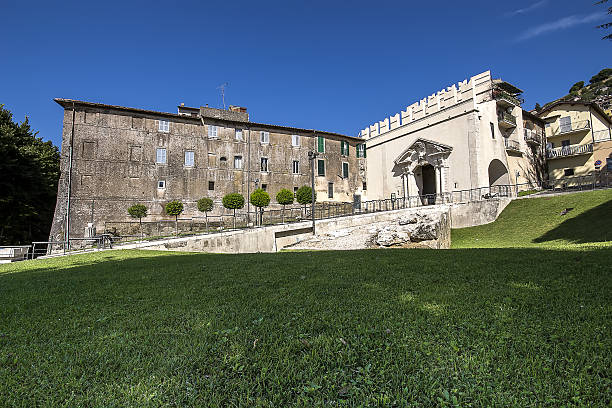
{"x":113,"y":157}
{"x":470,"y":135}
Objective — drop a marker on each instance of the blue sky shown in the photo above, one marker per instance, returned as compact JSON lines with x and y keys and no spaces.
{"x":335,"y":66}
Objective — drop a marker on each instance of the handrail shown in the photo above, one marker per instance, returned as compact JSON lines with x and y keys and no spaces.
{"x":505,"y":116}
{"x":512,"y":144}
{"x":571,"y":127}
{"x":570,"y":150}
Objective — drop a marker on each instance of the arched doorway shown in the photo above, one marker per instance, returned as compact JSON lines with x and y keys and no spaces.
{"x":498,"y":173}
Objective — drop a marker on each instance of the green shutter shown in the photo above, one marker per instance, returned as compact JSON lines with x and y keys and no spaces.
{"x":321,"y":167}
{"x":364,"y":150}
{"x":347,"y":148}
{"x":320,"y":144}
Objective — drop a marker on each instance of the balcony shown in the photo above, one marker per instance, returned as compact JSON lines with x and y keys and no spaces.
{"x":512,"y":145}
{"x":570,"y":127}
{"x":506,"y":120}
{"x":601,"y":135}
{"x":567,"y":151}
{"x":505,"y":99}
{"x":533,"y":137}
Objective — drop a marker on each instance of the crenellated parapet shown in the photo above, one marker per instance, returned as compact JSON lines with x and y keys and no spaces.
{"x":474,"y":89}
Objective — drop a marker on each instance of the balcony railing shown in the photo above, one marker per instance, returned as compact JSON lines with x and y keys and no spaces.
{"x":571,"y":127}
{"x":601,"y":135}
{"x":571,"y":150}
{"x":505,"y":97}
{"x":512,"y":145}
{"x":506,"y":119}
{"x":533,"y":136}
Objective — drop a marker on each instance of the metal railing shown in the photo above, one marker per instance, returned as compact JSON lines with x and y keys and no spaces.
{"x":506,"y":117}
{"x":512,"y":145}
{"x":571,"y":150}
{"x":601,"y":135}
{"x":570,"y":127}
{"x":532,"y":136}
{"x":591,"y":181}
{"x":500,"y":95}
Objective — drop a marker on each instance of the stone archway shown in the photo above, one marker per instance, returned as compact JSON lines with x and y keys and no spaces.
{"x":423,"y":168}
{"x":498,"y":173}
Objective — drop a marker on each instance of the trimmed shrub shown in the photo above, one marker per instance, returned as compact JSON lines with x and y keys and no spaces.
{"x":175,"y":208}
{"x":138,"y":211}
{"x":304,"y":195}
{"x":260,"y":198}
{"x":233,"y":201}
{"x":284,"y":197}
{"x":205,"y":205}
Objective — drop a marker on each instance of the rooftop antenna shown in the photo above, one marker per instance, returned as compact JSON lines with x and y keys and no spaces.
{"x":222,"y":88}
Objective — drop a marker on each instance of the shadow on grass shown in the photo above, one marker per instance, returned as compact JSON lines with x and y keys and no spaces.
{"x":594,"y":225}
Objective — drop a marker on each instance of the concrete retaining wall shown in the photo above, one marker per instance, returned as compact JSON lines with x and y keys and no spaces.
{"x":276,"y":237}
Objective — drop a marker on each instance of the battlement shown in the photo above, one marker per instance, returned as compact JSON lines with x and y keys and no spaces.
{"x":453,"y":95}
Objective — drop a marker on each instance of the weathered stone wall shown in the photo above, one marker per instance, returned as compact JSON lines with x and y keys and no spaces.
{"x":114,"y":164}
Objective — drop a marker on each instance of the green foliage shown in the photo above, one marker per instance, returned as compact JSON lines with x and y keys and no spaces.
{"x":233,"y":201}
{"x":28,"y":187}
{"x":284,"y":197}
{"x":174,"y":208}
{"x":304,"y":195}
{"x":526,"y":192}
{"x":137,"y":211}
{"x":537,"y":107}
{"x":576,"y":87}
{"x":384,"y":328}
{"x":205,"y":204}
{"x":260,"y":198}
{"x":601,"y":76}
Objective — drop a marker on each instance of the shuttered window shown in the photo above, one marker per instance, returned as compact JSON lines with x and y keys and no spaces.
{"x":345,"y":170}
{"x":321,"y":167}
{"x":361,"y":150}
{"x":344,"y":148}
{"x":161,"y":156}
{"x":295,"y":140}
{"x":213,"y":131}
{"x":320,"y":144}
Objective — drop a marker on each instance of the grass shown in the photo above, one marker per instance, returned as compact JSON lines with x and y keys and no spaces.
{"x":465,"y":327}
{"x":526,"y":192}
{"x":537,"y":222}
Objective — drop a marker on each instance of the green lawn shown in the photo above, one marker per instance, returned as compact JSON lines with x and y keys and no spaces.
{"x":537,"y":222}
{"x":464,"y":327}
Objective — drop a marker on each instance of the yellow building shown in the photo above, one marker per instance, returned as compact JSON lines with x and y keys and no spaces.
{"x":578,"y":139}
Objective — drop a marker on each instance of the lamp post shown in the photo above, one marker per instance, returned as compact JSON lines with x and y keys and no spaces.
{"x":311,"y":157}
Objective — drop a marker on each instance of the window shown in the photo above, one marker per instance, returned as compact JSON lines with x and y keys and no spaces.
{"x":568,"y":172}
{"x":565,"y":143}
{"x":565,"y":124}
{"x":161,"y":156}
{"x":211,"y":185}
{"x":239,"y":134}
{"x":164,"y":126}
{"x":321,"y":167}
{"x":330,"y":190}
{"x":161,"y":184}
{"x":345,"y":172}
{"x":609,"y":163}
{"x":295,"y":189}
{"x":492,"y":130}
{"x":295,"y":140}
{"x":264,"y":164}
{"x":364,"y":186}
{"x":213,"y":131}
{"x":264,"y":187}
{"x":237,"y":162}
{"x":296,"y":167}
{"x":361,"y":150}
{"x":344,"y":148}
{"x":189,"y":155}
{"x":265,"y":137}
{"x":320,"y":144}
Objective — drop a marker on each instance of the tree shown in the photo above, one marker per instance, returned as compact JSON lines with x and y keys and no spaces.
{"x":30,"y":171}
{"x":537,"y":107}
{"x":304,"y":196}
{"x":138,"y":211}
{"x":284,"y":197}
{"x":601,"y":75}
{"x":576,"y":87}
{"x":205,"y":205}
{"x":233,"y":201}
{"x":606,"y":26}
{"x":174,"y":208}
{"x":260,"y":199}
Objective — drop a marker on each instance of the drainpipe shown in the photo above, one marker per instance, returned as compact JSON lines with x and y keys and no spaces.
{"x":70,"y":153}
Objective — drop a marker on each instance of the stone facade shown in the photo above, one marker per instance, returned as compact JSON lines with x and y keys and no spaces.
{"x":469,"y":135}
{"x":122,"y":156}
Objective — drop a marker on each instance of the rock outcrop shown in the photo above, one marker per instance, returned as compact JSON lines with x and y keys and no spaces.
{"x":430,"y":229}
